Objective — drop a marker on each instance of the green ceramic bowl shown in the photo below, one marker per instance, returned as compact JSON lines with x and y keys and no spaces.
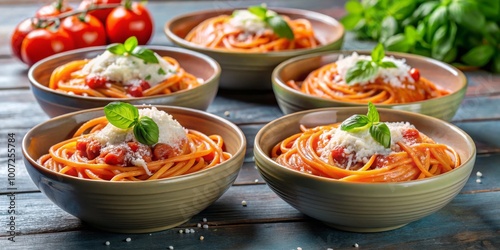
{"x":134,"y":207}
{"x":363,"y":207}
{"x":441,"y":74}
{"x":253,"y":70}
{"x":55,"y":103}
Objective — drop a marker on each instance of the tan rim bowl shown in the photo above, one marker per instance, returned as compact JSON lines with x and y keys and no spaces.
{"x":253,"y":70}
{"x":363,"y":207}
{"x":134,"y":207}
{"x":55,"y":103}
{"x":441,"y":74}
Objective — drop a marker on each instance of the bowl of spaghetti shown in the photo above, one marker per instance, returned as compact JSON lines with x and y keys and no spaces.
{"x":245,"y":44}
{"x":127,"y":178}
{"x":95,"y":76}
{"x":413,"y":83}
{"x":341,"y":168}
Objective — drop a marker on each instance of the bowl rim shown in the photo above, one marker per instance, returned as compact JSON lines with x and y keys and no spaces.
{"x":210,"y":61}
{"x":277,"y":81}
{"x":354,"y":110}
{"x":280,"y":10}
{"x":241,"y":149}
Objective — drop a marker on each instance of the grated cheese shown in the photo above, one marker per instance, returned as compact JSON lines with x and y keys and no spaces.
{"x":361,"y":143}
{"x":170,"y":132}
{"x":128,"y":69}
{"x":393,"y":76}
{"x":248,"y":22}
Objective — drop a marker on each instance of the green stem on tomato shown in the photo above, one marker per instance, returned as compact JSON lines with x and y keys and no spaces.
{"x":58,"y":5}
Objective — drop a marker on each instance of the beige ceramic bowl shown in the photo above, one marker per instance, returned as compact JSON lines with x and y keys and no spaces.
{"x":134,"y":207}
{"x":441,"y":74}
{"x":56,"y":103}
{"x":253,"y":70}
{"x":363,"y":207}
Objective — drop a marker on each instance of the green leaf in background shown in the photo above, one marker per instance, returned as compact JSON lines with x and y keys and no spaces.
{"x":438,"y":18}
{"x":422,"y":11}
{"x":490,"y":8}
{"x":353,"y":7}
{"x":121,"y":114}
{"x":398,"y":43}
{"x":401,"y":9}
{"x":478,"y":56}
{"x":146,"y":131}
{"x":390,"y":28}
{"x":467,"y":14}
{"x":495,"y":64}
{"x":350,"y":21}
{"x":443,"y":42}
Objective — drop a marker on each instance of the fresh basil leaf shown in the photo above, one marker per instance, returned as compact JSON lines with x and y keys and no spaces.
{"x":401,"y":9}
{"x":437,"y":19}
{"x":390,"y":28}
{"x":280,"y":27}
{"x":116,"y":48}
{"x":398,"y":42}
{"x":381,"y":133}
{"x":121,"y":115}
{"x":146,"y":131}
{"x":130,"y":43}
{"x":361,"y":71}
{"x":478,"y":56}
{"x":350,"y":21}
{"x":378,"y":53}
{"x":387,"y":64}
{"x":147,"y":55}
{"x":353,"y":7}
{"x":372,"y":114}
{"x":355,"y":122}
{"x":495,"y":63}
{"x":467,"y":14}
{"x":259,"y":11}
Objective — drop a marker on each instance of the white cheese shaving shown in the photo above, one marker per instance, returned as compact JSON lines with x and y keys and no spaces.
{"x":170,"y":133}
{"x":248,"y":22}
{"x":393,"y":76}
{"x":360,"y":146}
{"x":128,"y":69}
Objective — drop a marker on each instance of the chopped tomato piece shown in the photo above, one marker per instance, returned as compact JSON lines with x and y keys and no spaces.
{"x":135,"y":91}
{"x":115,"y":157}
{"x":93,"y":149}
{"x":95,"y":82}
{"x":163,"y":151}
{"x":411,"y":134}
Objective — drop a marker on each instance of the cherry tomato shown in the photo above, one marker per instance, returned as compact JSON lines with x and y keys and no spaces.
{"x":101,"y":14}
{"x":85,"y":30}
{"x":42,"y":43}
{"x":131,"y":19}
{"x":20,"y":32}
{"x":415,"y":74}
{"x":53,"y":9}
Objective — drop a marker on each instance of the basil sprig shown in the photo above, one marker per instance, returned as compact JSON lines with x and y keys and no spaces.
{"x":378,"y":130}
{"x":125,"y":115}
{"x":364,"y":70}
{"x":273,"y":20}
{"x":130,"y":47}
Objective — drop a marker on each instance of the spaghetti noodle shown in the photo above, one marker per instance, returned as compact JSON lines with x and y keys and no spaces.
{"x":247,"y":34}
{"x":323,"y":151}
{"x":86,"y":156}
{"x":75,"y":78}
{"x":395,"y":85}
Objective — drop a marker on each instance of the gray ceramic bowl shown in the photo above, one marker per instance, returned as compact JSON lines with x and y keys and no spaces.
{"x":134,"y":207}
{"x":55,"y":103}
{"x":253,"y":70}
{"x":363,"y":207}
{"x":441,"y":74}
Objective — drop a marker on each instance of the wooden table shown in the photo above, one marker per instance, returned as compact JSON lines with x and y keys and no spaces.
{"x":470,"y":221}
